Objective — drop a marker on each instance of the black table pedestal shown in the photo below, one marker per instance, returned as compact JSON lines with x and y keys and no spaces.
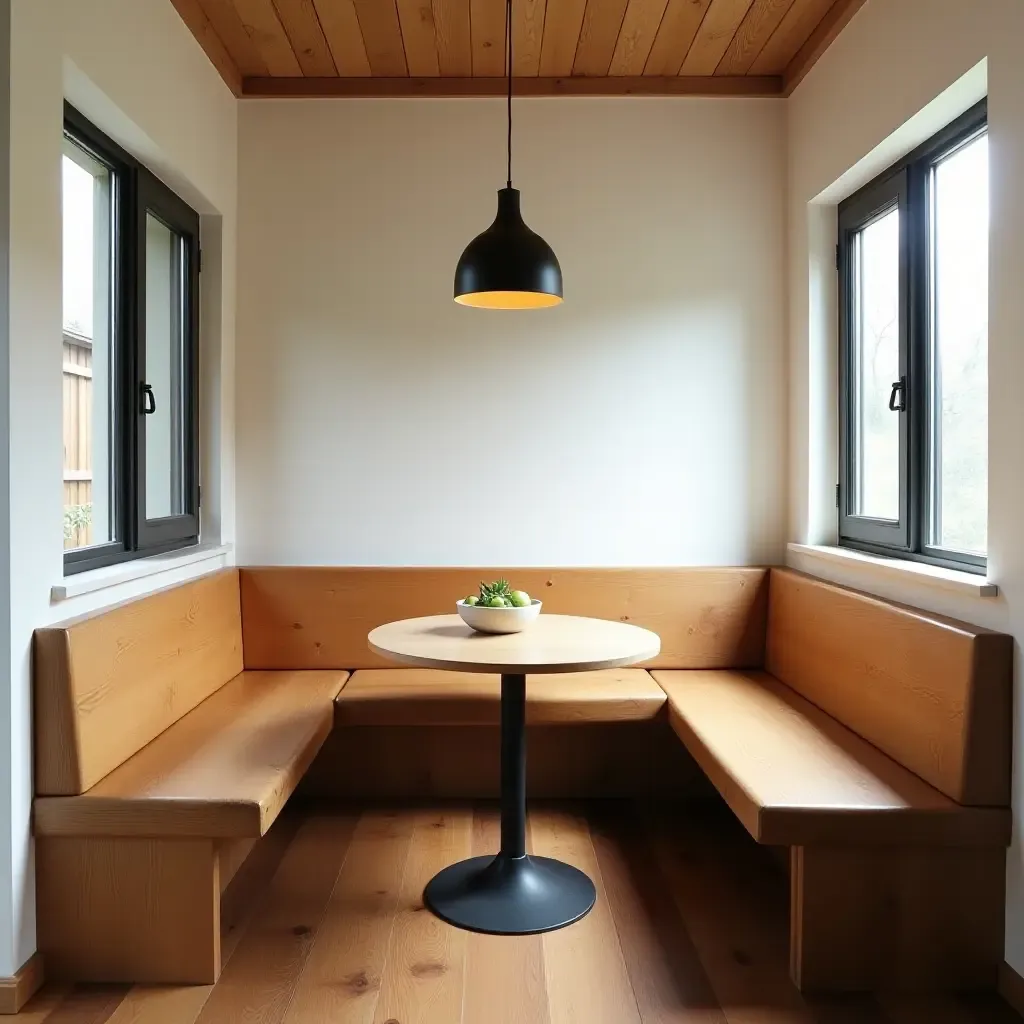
{"x":511,"y":893}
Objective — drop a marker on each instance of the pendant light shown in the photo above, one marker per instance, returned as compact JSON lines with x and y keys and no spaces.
{"x":508,"y":266}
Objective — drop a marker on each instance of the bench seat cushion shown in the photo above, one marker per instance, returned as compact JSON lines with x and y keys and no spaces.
{"x":428,"y":697}
{"x":223,"y":770}
{"x":796,"y":777}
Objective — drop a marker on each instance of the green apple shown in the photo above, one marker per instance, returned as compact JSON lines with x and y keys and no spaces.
{"x":472,"y":600}
{"x":496,"y":602}
{"x":520,"y":599}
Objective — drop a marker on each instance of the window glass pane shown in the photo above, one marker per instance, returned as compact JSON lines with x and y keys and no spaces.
{"x":958,"y":431}
{"x":165,"y":347}
{"x":88,"y":407}
{"x":876,"y":361}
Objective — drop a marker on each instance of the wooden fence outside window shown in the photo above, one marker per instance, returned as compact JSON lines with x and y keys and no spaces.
{"x":78,"y":441}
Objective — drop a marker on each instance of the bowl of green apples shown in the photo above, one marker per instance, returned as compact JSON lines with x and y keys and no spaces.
{"x":497,"y":608}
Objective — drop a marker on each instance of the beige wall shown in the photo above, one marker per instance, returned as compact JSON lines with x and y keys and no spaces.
{"x":166,"y":105}
{"x":642,"y":422}
{"x":901,"y":70}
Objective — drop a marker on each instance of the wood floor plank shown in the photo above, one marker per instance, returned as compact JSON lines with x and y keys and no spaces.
{"x":88,"y":1004}
{"x":423,"y":974}
{"x":586,"y":974}
{"x":41,"y":1006}
{"x":856,"y":1008}
{"x":162,"y":1004}
{"x":689,"y":928}
{"x":739,"y":933}
{"x":665,"y":971}
{"x":917,"y":1009}
{"x":342,"y":979}
{"x":510,"y":965}
{"x":745,"y":890}
{"x":909,"y":1009}
{"x":259,"y":981}
{"x":252,"y":880}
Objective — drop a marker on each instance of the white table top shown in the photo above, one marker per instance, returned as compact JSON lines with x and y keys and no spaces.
{"x":554,"y":643}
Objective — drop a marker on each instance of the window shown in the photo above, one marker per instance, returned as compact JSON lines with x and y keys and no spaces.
{"x":913,"y":297}
{"x":131,"y":289}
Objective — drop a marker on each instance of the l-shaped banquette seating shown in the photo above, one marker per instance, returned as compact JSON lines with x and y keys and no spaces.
{"x":872,"y":740}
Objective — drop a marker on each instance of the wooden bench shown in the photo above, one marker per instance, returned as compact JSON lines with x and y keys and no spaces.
{"x":405,"y":733}
{"x":870,"y":739}
{"x":877,"y":747}
{"x":159,"y":763}
{"x":427,"y":697}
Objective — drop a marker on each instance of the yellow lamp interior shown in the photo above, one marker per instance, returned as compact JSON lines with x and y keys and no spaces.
{"x":509,"y":300}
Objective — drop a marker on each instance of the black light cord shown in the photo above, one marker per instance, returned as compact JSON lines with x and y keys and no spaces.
{"x":508,"y":51}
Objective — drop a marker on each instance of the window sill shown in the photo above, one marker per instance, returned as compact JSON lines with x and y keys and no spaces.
{"x":966,"y":584}
{"x":125,"y":572}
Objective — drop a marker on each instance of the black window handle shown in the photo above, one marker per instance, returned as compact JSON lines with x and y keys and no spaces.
{"x":898,"y":396}
{"x":148,"y":400}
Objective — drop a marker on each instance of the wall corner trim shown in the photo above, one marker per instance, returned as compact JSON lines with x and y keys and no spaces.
{"x":17,"y":991}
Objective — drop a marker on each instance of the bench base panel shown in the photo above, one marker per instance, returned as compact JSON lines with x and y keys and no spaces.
{"x":400,"y":762}
{"x":129,"y":910}
{"x":903,"y":919}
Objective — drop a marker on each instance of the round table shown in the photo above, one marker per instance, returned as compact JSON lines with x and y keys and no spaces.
{"x":512,"y":893}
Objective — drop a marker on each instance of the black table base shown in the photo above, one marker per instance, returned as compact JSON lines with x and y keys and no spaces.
{"x":511,"y":893}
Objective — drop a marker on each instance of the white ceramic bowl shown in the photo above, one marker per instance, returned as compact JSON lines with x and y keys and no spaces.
{"x":498,"y":620}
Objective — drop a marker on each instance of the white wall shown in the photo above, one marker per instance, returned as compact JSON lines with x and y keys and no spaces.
{"x":642,"y":422}
{"x":880,"y":78}
{"x":168,"y":106}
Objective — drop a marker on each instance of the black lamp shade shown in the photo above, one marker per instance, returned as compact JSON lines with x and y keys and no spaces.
{"x":508,"y":266}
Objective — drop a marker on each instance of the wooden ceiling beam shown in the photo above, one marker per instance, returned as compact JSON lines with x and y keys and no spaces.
{"x":241,"y":36}
{"x":835,"y":20}
{"x":641,"y":85}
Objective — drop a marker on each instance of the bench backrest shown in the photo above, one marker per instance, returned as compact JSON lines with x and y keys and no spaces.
{"x":319,"y":617}
{"x":932,"y":693}
{"x":108,"y":683}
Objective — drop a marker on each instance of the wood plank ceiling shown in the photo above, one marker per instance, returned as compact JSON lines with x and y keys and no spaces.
{"x":561,"y":47}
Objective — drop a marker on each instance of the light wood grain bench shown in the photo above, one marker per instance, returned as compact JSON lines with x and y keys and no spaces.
{"x":159,"y":763}
{"x":407,"y":733}
{"x":876,"y":745}
{"x":872,"y":740}
{"x":427,"y":697}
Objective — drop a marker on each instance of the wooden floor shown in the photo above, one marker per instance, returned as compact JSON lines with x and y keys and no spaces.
{"x":326,"y":925}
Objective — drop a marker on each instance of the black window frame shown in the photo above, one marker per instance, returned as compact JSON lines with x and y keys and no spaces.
{"x":136,"y":192}
{"x":906,"y":185}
